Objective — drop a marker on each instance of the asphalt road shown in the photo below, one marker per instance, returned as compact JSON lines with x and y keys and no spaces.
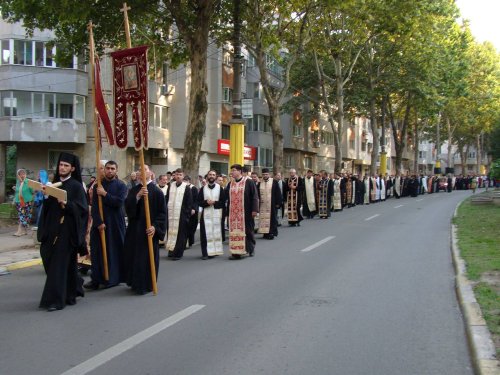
{"x":369,"y":291}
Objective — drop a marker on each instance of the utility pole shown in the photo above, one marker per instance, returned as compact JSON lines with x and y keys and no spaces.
{"x":237,"y":128}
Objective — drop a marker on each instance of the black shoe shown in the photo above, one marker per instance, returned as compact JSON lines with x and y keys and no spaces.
{"x":175,"y":258}
{"x":91,"y":285}
{"x":53,"y":308}
{"x":298,"y":224}
{"x":204,"y":257}
{"x":250,"y":255}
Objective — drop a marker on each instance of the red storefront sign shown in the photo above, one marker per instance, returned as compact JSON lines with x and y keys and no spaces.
{"x":223,"y":148}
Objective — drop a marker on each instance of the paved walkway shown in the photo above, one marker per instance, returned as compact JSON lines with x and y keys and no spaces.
{"x":17,"y":252}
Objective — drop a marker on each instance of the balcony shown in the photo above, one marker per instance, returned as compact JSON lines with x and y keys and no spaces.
{"x":53,"y":130}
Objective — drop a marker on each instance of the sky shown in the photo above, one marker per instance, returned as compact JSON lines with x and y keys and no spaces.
{"x":484,"y":19}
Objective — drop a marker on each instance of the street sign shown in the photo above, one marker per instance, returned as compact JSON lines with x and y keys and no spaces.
{"x":246,"y":108}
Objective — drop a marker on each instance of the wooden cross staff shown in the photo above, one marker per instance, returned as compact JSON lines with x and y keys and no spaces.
{"x":143,"y":172}
{"x":97,"y":137}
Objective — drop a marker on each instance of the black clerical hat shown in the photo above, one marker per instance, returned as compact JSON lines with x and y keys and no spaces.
{"x":74,"y":161}
{"x":265,"y":170}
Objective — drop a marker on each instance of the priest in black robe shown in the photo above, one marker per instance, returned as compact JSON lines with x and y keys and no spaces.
{"x":293,"y":191}
{"x":137,"y":270}
{"x":276,"y":199}
{"x":62,"y":235}
{"x":179,"y":200}
{"x":215,"y":233}
{"x":193,"y":219}
{"x":113,"y":193}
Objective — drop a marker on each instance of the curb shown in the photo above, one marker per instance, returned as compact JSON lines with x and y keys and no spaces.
{"x":23,"y":264}
{"x":478,"y":335}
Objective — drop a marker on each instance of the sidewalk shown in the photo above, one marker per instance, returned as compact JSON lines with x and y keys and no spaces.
{"x":17,"y":252}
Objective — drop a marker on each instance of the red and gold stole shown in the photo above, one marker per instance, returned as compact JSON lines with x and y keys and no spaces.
{"x":237,"y":234}
{"x":266,"y":189}
{"x":292,"y":199}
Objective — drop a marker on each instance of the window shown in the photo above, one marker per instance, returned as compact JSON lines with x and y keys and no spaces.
{"x":308,"y":162}
{"x":288,"y":161}
{"x":49,"y":56}
{"x":251,"y":61}
{"x":326,"y":138}
{"x":363,"y":146}
{"x":226,"y":130}
{"x":260,"y":123}
{"x":472,"y":155}
{"x":256,"y":90}
{"x":227,"y":95}
{"x":39,"y":53}
{"x":422,"y":154}
{"x":220,"y":168}
{"x":227,"y":57}
{"x":5,"y":52}
{"x":265,"y":157}
{"x":297,"y":129}
{"x":160,"y":119}
{"x":23,"y":52}
{"x":34,"y":104}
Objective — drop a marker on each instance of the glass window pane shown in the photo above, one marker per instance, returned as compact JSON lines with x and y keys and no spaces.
{"x":49,"y":56}
{"x":80,"y":108}
{"x":6,"y":103}
{"x":28,"y":53}
{"x":64,"y":105}
{"x":19,"y":52}
{"x":38,"y":105}
{"x":22,"y":104}
{"x":39,"y":53}
{"x":5,"y":52}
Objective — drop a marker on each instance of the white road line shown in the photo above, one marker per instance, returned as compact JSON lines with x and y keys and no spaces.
{"x":372,"y":217}
{"x":419,"y":200}
{"x":401,"y":205}
{"x":319,"y":243}
{"x":127,"y":344}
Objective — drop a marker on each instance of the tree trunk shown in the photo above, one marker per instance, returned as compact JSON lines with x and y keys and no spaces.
{"x":274,"y":118}
{"x":197,"y":108}
{"x":415,"y":148}
{"x":340,"y":114}
{"x":478,"y":154}
{"x":450,"y":133}
{"x":374,"y":128}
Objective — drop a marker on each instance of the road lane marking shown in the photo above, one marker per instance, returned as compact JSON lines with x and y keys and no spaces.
{"x":418,"y":200}
{"x":319,"y":243}
{"x":372,"y":217}
{"x":127,"y":344}
{"x":401,"y":205}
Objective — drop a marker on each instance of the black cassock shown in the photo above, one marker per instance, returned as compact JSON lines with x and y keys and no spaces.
{"x":193,"y":219}
{"x":136,"y":267}
{"x":220,"y":204}
{"x":114,"y":218}
{"x":62,"y":236}
{"x":184,"y":228}
{"x":276,"y":202}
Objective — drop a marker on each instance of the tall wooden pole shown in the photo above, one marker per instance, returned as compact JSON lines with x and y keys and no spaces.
{"x":143,"y":173}
{"x":102,"y":233}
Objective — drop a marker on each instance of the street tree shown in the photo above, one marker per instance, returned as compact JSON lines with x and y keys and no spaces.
{"x":178,"y":31}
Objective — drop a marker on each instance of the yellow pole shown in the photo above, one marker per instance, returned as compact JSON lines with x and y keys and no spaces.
{"x":102,"y":233}
{"x":237,"y":143}
{"x":383,"y":163}
{"x":143,"y":173}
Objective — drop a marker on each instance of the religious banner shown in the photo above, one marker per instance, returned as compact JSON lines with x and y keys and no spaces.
{"x":100,"y":105}
{"x":130,"y":77}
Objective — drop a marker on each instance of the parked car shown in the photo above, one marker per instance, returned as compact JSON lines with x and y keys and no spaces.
{"x":443,"y":184}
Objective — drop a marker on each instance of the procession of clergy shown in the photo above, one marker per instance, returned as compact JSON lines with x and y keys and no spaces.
{"x":71,"y":229}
